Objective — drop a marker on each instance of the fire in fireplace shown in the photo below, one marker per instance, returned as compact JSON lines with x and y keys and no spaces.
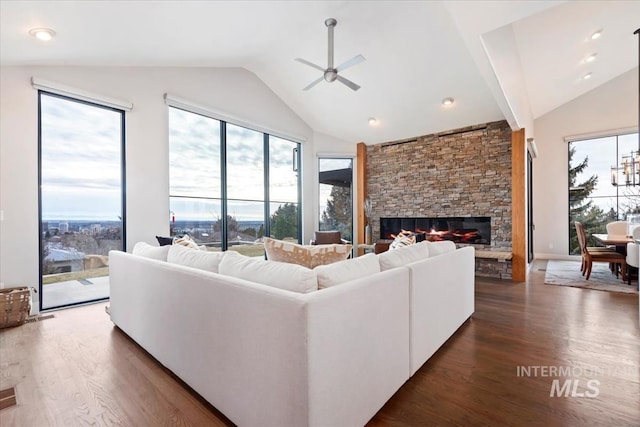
{"x":474,"y":230}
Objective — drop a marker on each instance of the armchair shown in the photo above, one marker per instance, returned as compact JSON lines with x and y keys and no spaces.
{"x":327,"y":238}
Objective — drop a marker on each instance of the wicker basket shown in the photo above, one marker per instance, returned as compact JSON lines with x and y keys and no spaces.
{"x":15,"y":306}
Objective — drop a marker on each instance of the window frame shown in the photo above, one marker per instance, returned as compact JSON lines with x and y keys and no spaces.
{"x":123,"y":183}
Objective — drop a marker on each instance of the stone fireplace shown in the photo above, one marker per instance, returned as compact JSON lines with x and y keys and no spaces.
{"x":461,"y":173}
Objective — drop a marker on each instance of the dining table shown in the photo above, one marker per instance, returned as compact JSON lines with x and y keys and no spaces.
{"x":613,"y":239}
{"x":618,"y":240}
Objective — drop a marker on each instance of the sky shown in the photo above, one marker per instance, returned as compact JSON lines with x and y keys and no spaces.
{"x":81,"y":161}
{"x":81,"y":166}
{"x":194,"y":159}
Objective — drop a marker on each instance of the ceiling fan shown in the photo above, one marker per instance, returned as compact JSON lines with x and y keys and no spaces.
{"x":330,"y":74}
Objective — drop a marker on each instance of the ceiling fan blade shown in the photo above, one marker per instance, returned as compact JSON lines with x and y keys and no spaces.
{"x":313,"y":83}
{"x":310,"y":64}
{"x":347,"y":82}
{"x":350,"y":63}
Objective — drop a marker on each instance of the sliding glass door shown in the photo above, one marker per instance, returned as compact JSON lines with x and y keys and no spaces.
{"x":81,"y":152}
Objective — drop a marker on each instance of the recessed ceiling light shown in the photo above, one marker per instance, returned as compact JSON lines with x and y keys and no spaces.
{"x":587,"y":76}
{"x":44,"y":34}
{"x":591,"y":57}
{"x":596,"y":35}
{"x":447,"y":101}
{"x":372,"y":121}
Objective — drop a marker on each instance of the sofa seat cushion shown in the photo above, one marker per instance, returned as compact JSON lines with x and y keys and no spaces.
{"x":190,"y":257}
{"x":347,"y":270}
{"x":309,"y":256}
{"x":281,"y":275}
{"x":149,"y":251}
{"x":403,"y":256}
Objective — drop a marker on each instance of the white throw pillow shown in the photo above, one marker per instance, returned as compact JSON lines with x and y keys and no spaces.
{"x":404,"y":238}
{"x":148,"y":251}
{"x":187,"y":241}
{"x":204,"y":260}
{"x":403,"y":256}
{"x":441,"y":247}
{"x":347,"y":270}
{"x":291,"y":277}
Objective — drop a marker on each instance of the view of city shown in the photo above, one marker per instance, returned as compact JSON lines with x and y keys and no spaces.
{"x":71,"y":246}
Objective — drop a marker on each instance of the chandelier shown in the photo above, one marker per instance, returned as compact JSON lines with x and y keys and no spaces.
{"x":630,"y":169}
{"x":630,"y":165}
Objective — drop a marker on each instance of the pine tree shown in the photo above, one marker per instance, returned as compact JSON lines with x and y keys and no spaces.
{"x":338,"y":214}
{"x":581,"y":209}
{"x":284,"y":221}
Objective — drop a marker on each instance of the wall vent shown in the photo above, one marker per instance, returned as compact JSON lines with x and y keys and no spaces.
{"x":7,"y":398}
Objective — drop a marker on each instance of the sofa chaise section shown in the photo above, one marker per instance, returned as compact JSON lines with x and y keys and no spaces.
{"x":442,"y":293}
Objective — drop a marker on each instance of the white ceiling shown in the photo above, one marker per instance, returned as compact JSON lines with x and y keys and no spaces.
{"x":417,"y":52}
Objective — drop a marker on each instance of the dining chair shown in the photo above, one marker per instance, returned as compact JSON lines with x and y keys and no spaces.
{"x":597,"y":254}
{"x":617,"y":227}
{"x":591,"y":249}
{"x":327,"y":238}
{"x":633,"y":254}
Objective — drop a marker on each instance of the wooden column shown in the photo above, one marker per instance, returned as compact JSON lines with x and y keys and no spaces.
{"x":518,"y":212}
{"x":361,"y":190}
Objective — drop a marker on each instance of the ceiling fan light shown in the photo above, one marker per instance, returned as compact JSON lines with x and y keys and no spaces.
{"x":44,"y":34}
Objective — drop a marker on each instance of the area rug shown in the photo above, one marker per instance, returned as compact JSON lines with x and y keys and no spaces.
{"x":567,"y":273}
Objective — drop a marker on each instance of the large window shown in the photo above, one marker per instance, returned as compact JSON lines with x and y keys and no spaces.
{"x":81,"y":149}
{"x":230,"y":185}
{"x":598,"y":190}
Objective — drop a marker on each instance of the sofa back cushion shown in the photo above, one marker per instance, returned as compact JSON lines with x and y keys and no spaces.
{"x":148,"y":251}
{"x":347,"y":270}
{"x":309,"y":256}
{"x":190,"y":257}
{"x":444,"y":246}
{"x":403,"y":256}
{"x":281,"y":275}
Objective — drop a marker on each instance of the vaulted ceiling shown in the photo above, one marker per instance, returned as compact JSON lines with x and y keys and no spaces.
{"x":498,"y":59}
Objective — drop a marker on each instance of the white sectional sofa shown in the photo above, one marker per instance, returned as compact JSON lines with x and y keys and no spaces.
{"x":266,"y":356}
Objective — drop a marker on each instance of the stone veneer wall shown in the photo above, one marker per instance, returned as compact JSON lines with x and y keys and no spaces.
{"x":463,"y":172}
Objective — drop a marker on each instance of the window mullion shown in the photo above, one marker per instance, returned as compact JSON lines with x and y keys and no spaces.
{"x":223,"y":183}
{"x":267,"y":204}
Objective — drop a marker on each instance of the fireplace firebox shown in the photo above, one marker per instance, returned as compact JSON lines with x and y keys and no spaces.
{"x":472,"y":230}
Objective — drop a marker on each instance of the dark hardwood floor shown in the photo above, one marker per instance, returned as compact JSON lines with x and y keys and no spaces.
{"x":78,"y":369}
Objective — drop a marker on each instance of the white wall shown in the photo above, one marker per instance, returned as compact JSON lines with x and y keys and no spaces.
{"x":611,"y":106}
{"x":235,"y":92}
